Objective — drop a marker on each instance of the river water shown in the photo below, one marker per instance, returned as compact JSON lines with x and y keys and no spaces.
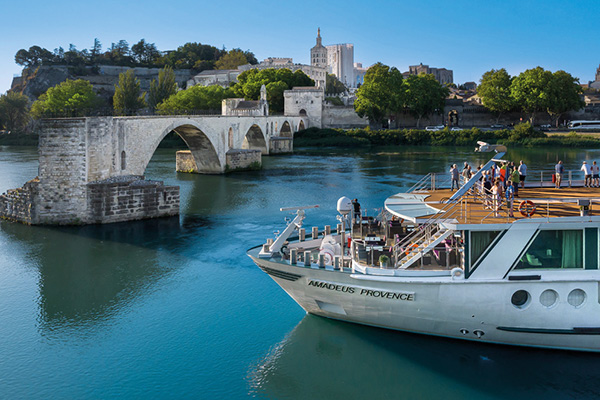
{"x":173,"y":308}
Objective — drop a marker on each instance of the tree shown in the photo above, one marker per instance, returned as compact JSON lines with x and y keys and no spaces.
{"x":195,"y":98}
{"x":68,"y":98}
{"x":96,"y":50}
{"x":530,"y":91}
{"x":233,"y":59}
{"x":381,"y":94}
{"x":128,"y":96}
{"x":14,"y":111}
{"x":333,"y":85}
{"x":145,"y":53}
{"x":564,"y":94}
{"x":33,"y":57}
{"x":250,"y":82}
{"x":193,"y":55}
{"x":424,"y":95}
{"x":495,"y":91}
{"x":163,"y":89}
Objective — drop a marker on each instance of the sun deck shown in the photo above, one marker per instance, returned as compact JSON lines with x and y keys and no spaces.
{"x":474,"y":208}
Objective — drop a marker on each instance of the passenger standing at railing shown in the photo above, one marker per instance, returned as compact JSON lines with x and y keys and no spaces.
{"x":487,"y":189}
{"x":587,"y":171}
{"x":454,"y":177}
{"x":514,"y":182}
{"x":496,"y":196}
{"x":595,"y":175}
{"x":466,"y":174}
{"x":510,"y":196}
{"x":522,"y":173}
{"x":560,"y":170}
{"x":356,"y":206}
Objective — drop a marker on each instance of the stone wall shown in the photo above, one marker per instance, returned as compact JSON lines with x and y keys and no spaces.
{"x":128,"y":198}
{"x":305,"y":101}
{"x":342,"y":117}
{"x":243,"y":159}
{"x":19,"y":204}
{"x":281,"y":145}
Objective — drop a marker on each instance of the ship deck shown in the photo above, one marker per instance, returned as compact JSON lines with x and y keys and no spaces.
{"x":549,"y":201}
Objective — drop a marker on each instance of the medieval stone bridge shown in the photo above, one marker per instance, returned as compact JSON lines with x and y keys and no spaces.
{"x":92,"y":169}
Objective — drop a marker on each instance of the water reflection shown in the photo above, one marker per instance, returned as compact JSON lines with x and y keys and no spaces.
{"x":324,"y":359}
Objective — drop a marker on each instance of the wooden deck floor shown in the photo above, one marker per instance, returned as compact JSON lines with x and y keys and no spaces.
{"x":549,"y":202}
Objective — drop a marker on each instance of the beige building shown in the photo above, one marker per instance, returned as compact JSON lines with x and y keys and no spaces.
{"x":442,"y":75}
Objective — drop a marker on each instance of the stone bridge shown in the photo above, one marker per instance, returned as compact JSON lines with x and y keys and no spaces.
{"x":92,"y":169}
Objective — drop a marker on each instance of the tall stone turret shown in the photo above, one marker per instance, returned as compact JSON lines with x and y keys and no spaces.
{"x":318,"y":54}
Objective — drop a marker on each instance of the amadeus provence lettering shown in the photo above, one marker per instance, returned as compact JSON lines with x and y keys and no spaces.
{"x":403,"y":296}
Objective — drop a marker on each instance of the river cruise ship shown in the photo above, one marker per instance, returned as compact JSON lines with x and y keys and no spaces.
{"x":445,"y":263}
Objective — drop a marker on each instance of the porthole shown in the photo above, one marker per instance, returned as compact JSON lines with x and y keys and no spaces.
{"x":520,"y":298}
{"x":548,"y":298}
{"x":576,"y":298}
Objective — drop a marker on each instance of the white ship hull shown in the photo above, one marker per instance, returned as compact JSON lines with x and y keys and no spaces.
{"x":461,"y":309}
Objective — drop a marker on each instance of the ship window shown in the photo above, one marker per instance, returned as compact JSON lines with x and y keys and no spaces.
{"x":554,"y":249}
{"x":480,"y":241}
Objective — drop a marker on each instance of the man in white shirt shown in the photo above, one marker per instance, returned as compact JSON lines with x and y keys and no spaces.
{"x":522,"y":173}
{"x":588,"y":174}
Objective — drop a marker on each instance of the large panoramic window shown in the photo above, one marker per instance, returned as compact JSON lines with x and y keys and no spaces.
{"x":480,"y":241}
{"x":554,"y":249}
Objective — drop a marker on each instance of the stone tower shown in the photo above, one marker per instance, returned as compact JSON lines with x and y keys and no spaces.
{"x":318,"y":54}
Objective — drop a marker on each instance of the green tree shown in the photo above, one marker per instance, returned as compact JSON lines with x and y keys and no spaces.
{"x":564,"y":94}
{"x":381,"y":94}
{"x":14,"y":111}
{"x":144,"y":53}
{"x":163,"y":89}
{"x":495,"y":92}
{"x":68,"y":98}
{"x":197,"y":56}
{"x":128,"y":98}
{"x":530,"y":91}
{"x":233,"y":59}
{"x":33,"y":57}
{"x":95,"y":51}
{"x":424,"y":95}
{"x":250,"y":82}
{"x":195,"y":98}
{"x":333,"y":85}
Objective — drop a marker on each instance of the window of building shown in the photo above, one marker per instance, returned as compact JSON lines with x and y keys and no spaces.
{"x":554,"y":249}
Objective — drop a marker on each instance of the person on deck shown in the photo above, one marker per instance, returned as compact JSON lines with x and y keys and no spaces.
{"x":514,"y":180}
{"x":510,"y":196}
{"x":587,"y":171}
{"x":356,"y":206}
{"x":595,"y":175}
{"x":559,"y":170}
{"x":454,"y":177}
{"x":522,"y":173}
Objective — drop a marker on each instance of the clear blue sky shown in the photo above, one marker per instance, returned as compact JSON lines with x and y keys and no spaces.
{"x":469,"y":37}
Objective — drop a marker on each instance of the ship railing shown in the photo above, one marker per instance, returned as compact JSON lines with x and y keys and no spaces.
{"x":421,"y":183}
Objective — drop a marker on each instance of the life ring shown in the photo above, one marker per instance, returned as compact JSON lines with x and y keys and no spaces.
{"x":408,"y":249}
{"x":527,"y":208}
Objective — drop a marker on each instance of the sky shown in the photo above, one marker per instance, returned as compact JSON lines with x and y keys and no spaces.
{"x":468,"y":37}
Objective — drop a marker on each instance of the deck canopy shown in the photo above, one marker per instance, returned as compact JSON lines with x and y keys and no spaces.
{"x":409,"y":206}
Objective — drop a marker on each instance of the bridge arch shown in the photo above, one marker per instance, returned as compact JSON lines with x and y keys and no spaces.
{"x":286,"y":130}
{"x":255,"y":140}
{"x":198,"y":142}
{"x":301,"y":125}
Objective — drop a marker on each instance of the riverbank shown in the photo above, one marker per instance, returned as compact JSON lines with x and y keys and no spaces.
{"x":522,"y":135}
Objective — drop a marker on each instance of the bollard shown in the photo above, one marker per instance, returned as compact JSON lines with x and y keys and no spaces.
{"x":321,"y":260}
{"x":337,"y":263}
{"x":328,"y":229}
{"x":302,"y":234}
{"x":315,"y":232}
{"x":307,"y":258}
{"x":293,"y":256}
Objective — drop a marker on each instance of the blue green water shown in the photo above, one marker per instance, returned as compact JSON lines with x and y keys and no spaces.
{"x":172,"y":308}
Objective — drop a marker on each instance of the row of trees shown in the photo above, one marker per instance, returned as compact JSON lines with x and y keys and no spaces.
{"x":385,"y":94}
{"x":532,"y":91}
{"x":195,"y":56}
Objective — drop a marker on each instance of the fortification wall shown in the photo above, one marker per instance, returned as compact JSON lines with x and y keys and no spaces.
{"x":342,"y":117}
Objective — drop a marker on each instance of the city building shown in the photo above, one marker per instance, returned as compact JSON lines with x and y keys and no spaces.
{"x":359,"y":74}
{"x":318,"y":54}
{"x":247,"y":108}
{"x":340,"y":62}
{"x":442,"y":75}
{"x":595,"y":84}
